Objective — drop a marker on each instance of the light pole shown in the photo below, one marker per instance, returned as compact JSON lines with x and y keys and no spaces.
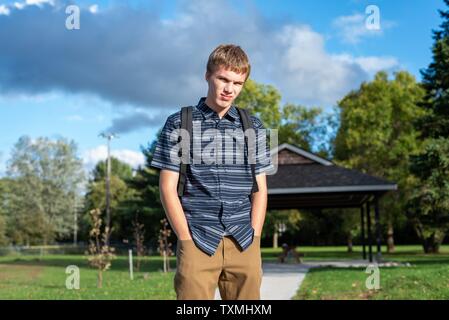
{"x":109,"y":136}
{"x":75,"y":214}
{"x":75,"y":221}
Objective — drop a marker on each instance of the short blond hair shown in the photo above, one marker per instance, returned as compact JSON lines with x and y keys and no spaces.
{"x":231,"y":57}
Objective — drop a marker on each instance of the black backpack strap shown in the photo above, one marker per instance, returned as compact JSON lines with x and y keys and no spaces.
{"x":186,"y":124}
{"x":247,"y":124}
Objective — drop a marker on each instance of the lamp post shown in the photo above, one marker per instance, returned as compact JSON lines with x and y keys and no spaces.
{"x":109,"y":136}
{"x":75,"y":221}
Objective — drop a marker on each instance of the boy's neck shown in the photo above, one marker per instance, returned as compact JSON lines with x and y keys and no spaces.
{"x":220,"y":111}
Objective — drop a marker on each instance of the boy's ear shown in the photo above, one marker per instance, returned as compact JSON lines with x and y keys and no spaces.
{"x":207,"y":75}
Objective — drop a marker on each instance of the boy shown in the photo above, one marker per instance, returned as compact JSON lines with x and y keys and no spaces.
{"x":218,"y":220}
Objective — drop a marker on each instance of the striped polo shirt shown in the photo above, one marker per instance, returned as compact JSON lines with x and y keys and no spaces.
{"x":217,"y":194}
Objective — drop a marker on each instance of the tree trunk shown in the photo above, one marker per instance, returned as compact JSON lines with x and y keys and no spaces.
{"x":390,"y":239}
{"x":137,"y":266}
{"x":349,"y":240}
{"x":100,"y":279}
{"x":168,"y":261}
{"x":275,"y":239}
{"x":165,"y":261}
{"x":432,"y":244}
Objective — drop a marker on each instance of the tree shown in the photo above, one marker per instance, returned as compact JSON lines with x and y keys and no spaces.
{"x":262,"y":101}
{"x":121,"y":193}
{"x":139,"y":239}
{"x":428,"y":205}
{"x":350,"y":225}
{"x":146,"y":200}
{"x":164,"y":244}
{"x":377,"y":136}
{"x":435,"y":123}
{"x":3,"y":195}
{"x":278,"y":222}
{"x":45,"y":176}
{"x":120,"y":169}
{"x":305,"y":127}
{"x":100,"y":253}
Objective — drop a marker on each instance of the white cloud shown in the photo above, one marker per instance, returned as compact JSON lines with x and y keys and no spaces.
{"x":304,"y":71}
{"x":19,"y":5}
{"x":4,"y":10}
{"x":92,"y":156}
{"x":370,"y":64}
{"x":131,"y":157}
{"x":93,"y":8}
{"x":351,"y":29}
{"x":44,"y":97}
{"x":158,"y":75}
{"x":39,"y":3}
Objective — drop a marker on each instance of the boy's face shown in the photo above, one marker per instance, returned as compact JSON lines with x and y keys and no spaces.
{"x":224,"y":86}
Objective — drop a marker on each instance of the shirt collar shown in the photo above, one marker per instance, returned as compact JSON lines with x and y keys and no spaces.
{"x":208,"y":112}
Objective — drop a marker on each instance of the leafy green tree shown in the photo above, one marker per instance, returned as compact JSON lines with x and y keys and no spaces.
{"x":45,"y":176}
{"x":263,"y":101}
{"x":121,"y":193}
{"x":429,"y":204}
{"x":278,"y":222}
{"x":377,"y":136}
{"x":118,"y":168}
{"x":296,"y":124}
{"x":3,"y":196}
{"x":428,"y":207}
{"x":147,"y":204}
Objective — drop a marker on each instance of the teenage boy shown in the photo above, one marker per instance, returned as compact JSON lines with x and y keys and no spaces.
{"x":219,"y":218}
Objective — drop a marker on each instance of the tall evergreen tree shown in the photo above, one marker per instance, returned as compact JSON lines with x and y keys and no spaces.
{"x":436,"y":83}
{"x":428,"y":207}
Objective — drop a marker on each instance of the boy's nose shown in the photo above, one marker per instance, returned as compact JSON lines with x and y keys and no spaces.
{"x":228,"y":88}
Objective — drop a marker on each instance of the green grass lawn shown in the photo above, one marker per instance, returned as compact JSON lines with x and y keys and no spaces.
{"x":31,"y":277}
{"x":426,"y":278}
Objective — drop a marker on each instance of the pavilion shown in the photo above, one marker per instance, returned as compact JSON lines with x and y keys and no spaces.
{"x":304,"y":180}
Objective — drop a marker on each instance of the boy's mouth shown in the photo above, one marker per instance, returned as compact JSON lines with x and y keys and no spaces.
{"x":226,"y":98}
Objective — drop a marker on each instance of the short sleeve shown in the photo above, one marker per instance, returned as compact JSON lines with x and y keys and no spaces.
{"x":165,"y":154}
{"x":263,"y":155}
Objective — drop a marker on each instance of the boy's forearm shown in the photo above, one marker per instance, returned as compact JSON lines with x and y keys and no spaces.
{"x":259,"y":206}
{"x":175,"y":214}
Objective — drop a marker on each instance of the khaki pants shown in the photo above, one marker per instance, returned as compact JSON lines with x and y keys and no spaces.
{"x":237,"y":273}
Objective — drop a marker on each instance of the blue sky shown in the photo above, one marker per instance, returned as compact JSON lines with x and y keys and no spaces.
{"x":133,"y":63}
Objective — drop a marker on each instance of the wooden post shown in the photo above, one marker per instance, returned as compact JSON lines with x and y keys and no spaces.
{"x":378,"y":231}
{"x":131,"y":275}
{"x":363,"y":231}
{"x":368,"y":220}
